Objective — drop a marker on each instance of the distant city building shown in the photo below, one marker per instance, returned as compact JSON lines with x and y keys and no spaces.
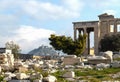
{"x":25,"y":56}
{"x":4,"y":50}
{"x":36,"y":57}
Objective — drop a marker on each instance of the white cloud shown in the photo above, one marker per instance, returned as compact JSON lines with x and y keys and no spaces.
{"x":104,"y":3}
{"x":110,"y":12}
{"x":28,"y":37}
{"x":13,"y":13}
{"x":74,"y":5}
{"x":8,"y":19}
{"x":43,"y":10}
{"x":30,"y":33}
{"x":111,"y":2}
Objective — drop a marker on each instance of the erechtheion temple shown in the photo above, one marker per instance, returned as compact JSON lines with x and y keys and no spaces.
{"x":106,"y":24}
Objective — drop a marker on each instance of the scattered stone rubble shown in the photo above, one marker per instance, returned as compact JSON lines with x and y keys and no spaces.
{"x":70,"y":74}
{"x":21,"y":68}
{"x":117,"y":75}
{"x":115,"y":64}
{"x":49,"y":78}
{"x":105,"y":57}
{"x":116,"y":56}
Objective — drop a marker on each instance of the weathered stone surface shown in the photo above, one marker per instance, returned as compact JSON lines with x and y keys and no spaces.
{"x":68,"y":66}
{"x":21,"y":76}
{"x":50,"y":78}
{"x":53,"y":70}
{"x":70,"y":74}
{"x":115,"y":64}
{"x":17,"y":64}
{"x":22,"y":69}
{"x":36,"y":76}
{"x":71,"y":60}
{"x":116,"y":56}
{"x":36,"y":65}
{"x":108,"y":54}
{"x":49,"y":65}
{"x":37,"y":80}
{"x":19,"y":81}
{"x":117,"y":75}
{"x":98,"y":59}
{"x":7,"y":78}
{"x":7,"y":74}
{"x":70,"y":79}
{"x":88,"y":66}
{"x":102,"y":65}
{"x":0,"y":69}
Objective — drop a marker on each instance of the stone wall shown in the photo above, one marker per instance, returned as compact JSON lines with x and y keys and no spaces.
{"x":98,"y":61}
{"x":71,"y":61}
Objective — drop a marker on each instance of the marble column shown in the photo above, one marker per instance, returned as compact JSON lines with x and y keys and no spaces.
{"x":75,"y":33}
{"x":115,"y":27}
{"x":88,"y":41}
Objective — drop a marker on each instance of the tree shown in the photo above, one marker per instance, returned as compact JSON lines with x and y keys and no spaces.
{"x":80,"y":44}
{"x":111,"y":43}
{"x":14,"y":47}
{"x":68,"y":45}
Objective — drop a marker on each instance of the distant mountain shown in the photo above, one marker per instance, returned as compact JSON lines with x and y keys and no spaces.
{"x":43,"y":50}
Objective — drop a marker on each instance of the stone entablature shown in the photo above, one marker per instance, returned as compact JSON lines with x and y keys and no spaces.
{"x":85,"y":24}
{"x":106,"y":25}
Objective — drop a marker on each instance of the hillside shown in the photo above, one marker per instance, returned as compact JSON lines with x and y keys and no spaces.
{"x":43,"y":50}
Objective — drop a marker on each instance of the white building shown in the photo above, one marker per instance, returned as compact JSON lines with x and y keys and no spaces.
{"x":6,"y":57}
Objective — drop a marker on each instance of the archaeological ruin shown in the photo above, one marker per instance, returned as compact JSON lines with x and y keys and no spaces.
{"x":106,"y":25}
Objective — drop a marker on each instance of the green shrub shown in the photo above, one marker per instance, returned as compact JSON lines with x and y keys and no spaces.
{"x":94,"y":80}
{"x":117,"y":59}
{"x":99,"y":76}
{"x":44,"y":73}
{"x":58,"y":75}
{"x":1,"y":78}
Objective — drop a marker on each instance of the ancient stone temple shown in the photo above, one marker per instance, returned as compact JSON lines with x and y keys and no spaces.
{"x":106,"y":24}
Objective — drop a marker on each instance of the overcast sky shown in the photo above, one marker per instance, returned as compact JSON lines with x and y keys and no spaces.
{"x":29,"y":23}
